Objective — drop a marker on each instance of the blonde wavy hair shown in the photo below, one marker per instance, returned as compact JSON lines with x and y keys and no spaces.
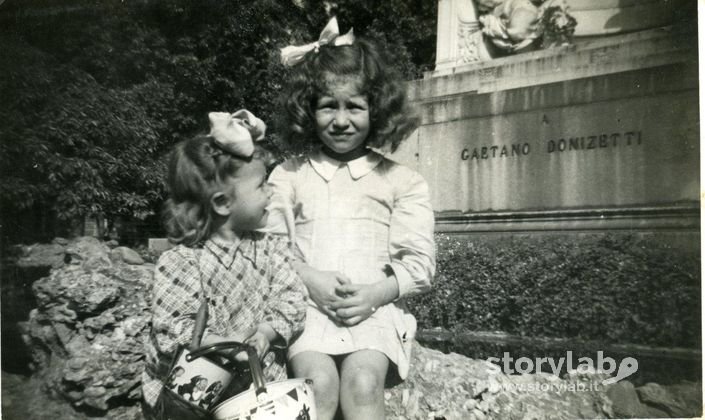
{"x":197,"y":168}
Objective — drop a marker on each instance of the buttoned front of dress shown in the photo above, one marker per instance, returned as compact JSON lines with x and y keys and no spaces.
{"x":346,"y":221}
{"x":358,"y":218}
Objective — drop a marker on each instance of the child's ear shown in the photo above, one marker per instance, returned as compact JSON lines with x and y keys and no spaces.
{"x":221,"y":204}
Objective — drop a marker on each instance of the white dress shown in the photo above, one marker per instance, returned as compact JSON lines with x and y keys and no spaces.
{"x":358,"y":218}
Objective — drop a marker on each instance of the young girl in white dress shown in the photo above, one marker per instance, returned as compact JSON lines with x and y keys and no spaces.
{"x":363,"y":224}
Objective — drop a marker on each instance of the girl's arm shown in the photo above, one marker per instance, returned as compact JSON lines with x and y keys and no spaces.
{"x":411,"y":249}
{"x":280,"y":220}
{"x":411,"y":244}
{"x":285,"y":306}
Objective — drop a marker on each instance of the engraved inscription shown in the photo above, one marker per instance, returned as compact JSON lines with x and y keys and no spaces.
{"x":558,"y":145}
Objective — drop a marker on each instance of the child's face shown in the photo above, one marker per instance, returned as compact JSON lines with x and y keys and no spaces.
{"x":342,"y":115}
{"x":249,"y":195}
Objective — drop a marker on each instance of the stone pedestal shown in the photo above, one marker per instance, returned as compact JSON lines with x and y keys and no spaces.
{"x":600,"y":135}
{"x":603,"y":17}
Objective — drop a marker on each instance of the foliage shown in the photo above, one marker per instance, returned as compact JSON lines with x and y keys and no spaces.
{"x":97,"y":92}
{"x":70,"y":144}
{"x":405,"y":28}
{"x":615,"y":288}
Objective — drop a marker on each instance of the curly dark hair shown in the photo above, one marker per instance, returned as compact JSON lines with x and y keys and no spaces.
{"x":197,"y":168}
{"x":391,"y":117}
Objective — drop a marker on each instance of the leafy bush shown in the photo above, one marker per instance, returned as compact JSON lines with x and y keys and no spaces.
{"x":612,"y":288}
{"x":96,"y":93}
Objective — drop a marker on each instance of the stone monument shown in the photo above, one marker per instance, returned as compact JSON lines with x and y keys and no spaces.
{"x":470,"y":31}
{"x":600,"y":135}
{"x":459,"y":38}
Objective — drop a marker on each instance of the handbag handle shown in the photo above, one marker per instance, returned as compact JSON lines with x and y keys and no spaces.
{"x":199,"y":325}
{"x":253,"y":359}
{"x":201,"y":321}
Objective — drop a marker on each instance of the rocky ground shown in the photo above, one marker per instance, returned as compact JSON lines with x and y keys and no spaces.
{"x":28,"y":398}
{"x":86,"y":335}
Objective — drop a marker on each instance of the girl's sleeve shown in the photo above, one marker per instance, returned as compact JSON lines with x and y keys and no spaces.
{"x":281,"y":214}
{"x":411,"y":243}
{"x":175,"y":300}
{"x":285,"y":308}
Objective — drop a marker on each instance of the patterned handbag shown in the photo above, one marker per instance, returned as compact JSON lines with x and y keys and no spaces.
{"x":171,"y":404}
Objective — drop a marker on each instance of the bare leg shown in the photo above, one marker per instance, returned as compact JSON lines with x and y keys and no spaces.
{"x":362,"y":375}
{"x":326,"y":384}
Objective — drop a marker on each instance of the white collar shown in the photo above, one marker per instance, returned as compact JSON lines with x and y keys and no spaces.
{"x":326,"y":166}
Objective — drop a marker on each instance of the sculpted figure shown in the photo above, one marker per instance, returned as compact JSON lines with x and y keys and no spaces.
{"x":511,"y":26}
{"x":514,"y":26}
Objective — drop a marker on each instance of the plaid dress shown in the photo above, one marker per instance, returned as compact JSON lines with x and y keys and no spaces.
{"x":246,"y":283}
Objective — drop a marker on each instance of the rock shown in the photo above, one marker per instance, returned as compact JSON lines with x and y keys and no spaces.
{"x":159,"y":245}
{"x":42,"y":255}
{"x":60,"y":241}
{"x":88,"y":252}
{"x":494,"y":386}
{"x":478,"y":414}
{"x":691,"y":395}
{"x":78,"y":343}
{"x":133,"y":325}
{"x":413,"y":403}
{"x":653,"y":394}
{"x":478,"y":387}
{"x":626,"y":402}
{"x":112,"y":244}
{"x":77,"y":362}
{"x":129,"y":256}
{"x":64,"y":333}
{"x":104,"y":321}
{"x":661,"y":398}
{"x":452,"y":386}
{"x":88,"y":332}
{"x":136,"y":273}
{"x":71,"y":292}
{"x":22,"y":398}
{"x":94,"y":394}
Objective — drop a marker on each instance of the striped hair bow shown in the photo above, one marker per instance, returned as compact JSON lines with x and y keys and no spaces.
{"x":293,"y":55}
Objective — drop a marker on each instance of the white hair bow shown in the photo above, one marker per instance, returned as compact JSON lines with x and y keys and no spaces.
{"x":236,"y":133}
{"x":293,"y":55}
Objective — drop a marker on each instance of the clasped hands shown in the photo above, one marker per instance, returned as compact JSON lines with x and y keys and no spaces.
{"x":344,"y":302}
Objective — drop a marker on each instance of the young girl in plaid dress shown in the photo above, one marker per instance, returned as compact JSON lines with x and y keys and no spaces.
{"x":218,"y":198}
